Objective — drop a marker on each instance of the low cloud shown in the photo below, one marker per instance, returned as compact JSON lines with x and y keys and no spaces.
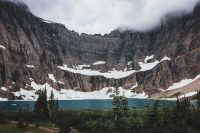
{"x":103,"y":16}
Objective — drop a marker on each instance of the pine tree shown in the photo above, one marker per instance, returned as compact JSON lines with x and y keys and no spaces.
{"x":120,"y":110}
{"x":124,"y":104}
{"x":38,"y":104}
{"x":41,"y":105}
{"x":57,"y":105}
{"x":198,"y":99}
{"x":3,"y":118}
{"x":166,"y":118}
{"x":181,"y":115}
{"x":120,"y":107}
{"x":53,"y":106}
{"x":197,"y":112}
{"x":116,"y":107}
{"x":166,"y":114}
{"x":152,"y":119}
{"x":45,"y":106}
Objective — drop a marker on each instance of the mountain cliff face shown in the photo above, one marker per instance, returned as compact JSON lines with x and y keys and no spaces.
{"x":31,"y":48}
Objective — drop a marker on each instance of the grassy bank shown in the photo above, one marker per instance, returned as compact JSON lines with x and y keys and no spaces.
{"x":12,"y":128}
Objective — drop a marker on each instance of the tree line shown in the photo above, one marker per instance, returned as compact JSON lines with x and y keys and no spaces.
{"x":183,"y":117}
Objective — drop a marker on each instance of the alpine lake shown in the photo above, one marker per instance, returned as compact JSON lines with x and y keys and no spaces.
{"x":100,"y":104}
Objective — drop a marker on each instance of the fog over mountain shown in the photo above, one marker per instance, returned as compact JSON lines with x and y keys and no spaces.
{"x":35,"y":53}
{"x":103,"y":16}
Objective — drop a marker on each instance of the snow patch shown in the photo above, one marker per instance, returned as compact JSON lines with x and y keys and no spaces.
{"x":2,"y":47}
{"x":182,"y":96}
{"x":148,"y":58}
{"x":161,"y":90}
{"x":110,"y":74}
{"x":46,"y":21}
{"x":3,"y":99}
{"x":134,"y":86}
{"x":148,"y":66}
{"x":30,"y":66}
{"x":52,"y":77}
{"x":60,"y":82}
{"x":183,"y":83}
{"x":80,"y":67}
{"x":188,"y":94}
{"x":3,"y":88}
{"x":165,"y":58}
{"x":114,"y":73}
{"x":99,"y":63}
{"x":27,"y":94}
{"x":105,"y":93}
{"x":129,"y":63}
{"x":63,"y":94}
{"x":17,"y":94}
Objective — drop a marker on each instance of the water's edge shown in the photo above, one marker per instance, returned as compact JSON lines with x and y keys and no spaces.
{"x":102,"y":104}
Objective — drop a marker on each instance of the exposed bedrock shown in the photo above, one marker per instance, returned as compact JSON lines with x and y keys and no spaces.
{"x":27,"y":40}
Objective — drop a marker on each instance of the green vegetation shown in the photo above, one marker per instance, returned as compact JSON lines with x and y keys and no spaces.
{"x":53,"y":107}
{"x":41,"y":106}
{"x":12,"y":128}
{"x":154,"y":118}
{"x":120,"y":107}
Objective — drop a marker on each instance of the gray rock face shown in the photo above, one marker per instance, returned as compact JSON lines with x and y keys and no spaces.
{"x":31,"y":41}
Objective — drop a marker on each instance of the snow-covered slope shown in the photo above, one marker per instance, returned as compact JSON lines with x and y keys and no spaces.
{"x":99,"y":63}
{"x":183,"y":82}
{"x":184,"y":88}
{"x":63,"y":94}
{"x":2,"y":47}
{"x":114,"y":73}
{"x":50,"y":53}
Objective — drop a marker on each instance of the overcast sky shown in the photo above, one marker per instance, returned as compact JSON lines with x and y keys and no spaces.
{"x":103,"y":16}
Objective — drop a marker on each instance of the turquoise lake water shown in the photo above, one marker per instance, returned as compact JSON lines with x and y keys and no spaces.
{"x":79,"y":104}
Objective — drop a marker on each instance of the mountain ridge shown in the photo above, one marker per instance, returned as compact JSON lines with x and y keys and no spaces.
{"x":30,"y":40}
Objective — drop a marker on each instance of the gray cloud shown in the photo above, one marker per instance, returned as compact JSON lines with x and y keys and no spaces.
{"x":103,"y":16}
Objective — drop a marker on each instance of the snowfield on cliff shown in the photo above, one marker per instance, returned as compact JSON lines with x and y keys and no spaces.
{"x":63,"y":94}
{"x":105,"y":93}
{"x":114,"y":73}
{"x":182,"y":83}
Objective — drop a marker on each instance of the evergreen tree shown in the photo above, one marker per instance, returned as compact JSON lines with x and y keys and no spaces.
{"x":197,"y":114}
{"x":57,"y":105}
{"x":51,"y":103}
{"x":3,"y":118}
{"x":181,"y":115}
{"x":198,"y":99}
{"x":53,"y":106}
{"x":45,"y":106}
{"x":183,"y":108}
{"x":151,"y":123}
{"x":124,"y":104}
{"x":38,"y":104}
{"x":166,"y":115}
{"x":116,"y":107}
{"x":120,"y":107}
{"x":41,"y":106}
{"x":166,"y":118}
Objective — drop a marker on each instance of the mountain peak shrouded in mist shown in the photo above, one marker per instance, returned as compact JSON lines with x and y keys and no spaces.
{"x":103,"y":16}
{"x":18,"y":3}
{"x":37,"y":52}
